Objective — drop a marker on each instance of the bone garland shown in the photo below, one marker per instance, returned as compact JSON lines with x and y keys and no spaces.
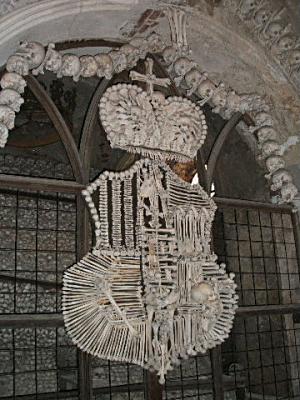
{"x":31,"y":54}
{"x":269,"y":24}
{"x":226,"y":104}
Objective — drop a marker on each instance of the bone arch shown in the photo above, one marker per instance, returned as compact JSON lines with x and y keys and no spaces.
{"x":223,"y":101}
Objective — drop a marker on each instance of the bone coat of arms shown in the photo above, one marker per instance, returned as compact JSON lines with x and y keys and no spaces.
{"x":150,"y":292}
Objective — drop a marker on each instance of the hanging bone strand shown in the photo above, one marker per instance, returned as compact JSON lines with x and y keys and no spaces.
{"x":177,"y":23}
{"x":116,"y":214}
{"x":149,"y":78}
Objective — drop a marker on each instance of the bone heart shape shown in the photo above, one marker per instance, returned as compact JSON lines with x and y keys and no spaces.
{"x":152,"y":125}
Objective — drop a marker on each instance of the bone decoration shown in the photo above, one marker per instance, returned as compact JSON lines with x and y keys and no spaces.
{"x":269,"y":23}
{"x":150,"y":124}
{"x":32,"y":58}
{"x":161,"y":296}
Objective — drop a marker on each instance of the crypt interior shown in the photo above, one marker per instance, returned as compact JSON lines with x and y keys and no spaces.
{"x":58,"y":146}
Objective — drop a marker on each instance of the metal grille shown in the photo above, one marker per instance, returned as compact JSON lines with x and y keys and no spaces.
{"x":115,"y":380}
{"x":262,"y":357}
{"x":37,"y":242}
{"x":37,"y":361}
{"x":259,"y":247}
{"x":192,"y":379}
{"x":259,"y":361}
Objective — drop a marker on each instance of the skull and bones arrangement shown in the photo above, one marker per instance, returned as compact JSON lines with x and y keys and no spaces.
{"x":150,"y":292}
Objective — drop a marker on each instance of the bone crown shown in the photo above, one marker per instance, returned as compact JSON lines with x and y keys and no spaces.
{"x":147,"y":123}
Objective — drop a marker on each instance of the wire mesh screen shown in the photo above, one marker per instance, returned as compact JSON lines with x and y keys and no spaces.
{"x":37,"y":361}
{"x":260,"y":360}
{"x":37,"y":243}
{"x":192,"y":379}
{"x":262,"y":354}
{"x":115,"y":380}
{"x":259,"y":247}
{"x":262,"y":357}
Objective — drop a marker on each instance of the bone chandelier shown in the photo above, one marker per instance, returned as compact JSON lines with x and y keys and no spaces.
{"x":150,"y":292}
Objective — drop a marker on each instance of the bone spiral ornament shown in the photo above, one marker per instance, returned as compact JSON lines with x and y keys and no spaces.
{"x":150,"y":292}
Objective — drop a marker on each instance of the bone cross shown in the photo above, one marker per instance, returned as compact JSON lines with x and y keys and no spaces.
{"x":149,"y":77}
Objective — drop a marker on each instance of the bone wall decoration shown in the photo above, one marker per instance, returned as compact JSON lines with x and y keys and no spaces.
{"x":33,"y":58}
{"x":150,"y":292}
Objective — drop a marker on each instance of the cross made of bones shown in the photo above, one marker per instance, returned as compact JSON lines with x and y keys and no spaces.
{"x":149,"y":78}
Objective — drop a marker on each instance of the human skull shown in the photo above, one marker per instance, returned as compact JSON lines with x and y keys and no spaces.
{"x":273,"y":163}
{"x":3,"y":135}
{"x":131,"y":53}
{"x":219,"y":98}
{"x":202,"y":292}
{"x":88,"y":66}
{"x":288,"y":192}
{"x":157,"y":99}
{"x":192,"y":78}
{"x":70,"y":66}
{"x":119,"y":61}
{"x":11,"y":98}
{"x":7,"y":116}
{"x":169,"y":55}
{"x":18,"y":65}
{"x":54,"y":59}
{"x":269,"y":147}
{"x":294,"y":58}
{"x":274,"y":30}
{"x":182,"y":65}
{"x":14,"y":81}
{"x":155,"y":42}
{"x":280,"y":177}
{"x":286,"y":43}
{"x":206,"y":89}
{"x":105,"y":66}
{"x":261,"y":17}
{"x":247,"y":7}
{"x":34,"y":53}
{"x":263,"y":119}
{"x":141,"y":44}
{"x":266,"y":133}
{"x":233,"y":101}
